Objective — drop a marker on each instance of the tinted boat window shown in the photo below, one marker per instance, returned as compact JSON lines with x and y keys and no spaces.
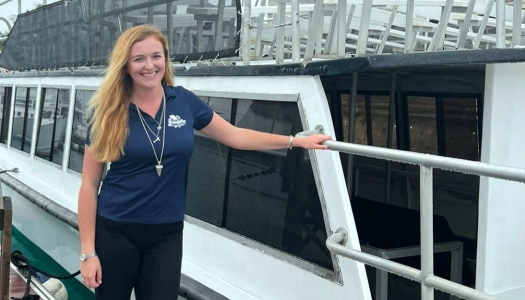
{"x":23,"y":118}
{"x":5,"y":102}
{"x":52,"y":124}
{"x":207,"y":178}
{"x":80,"y":126}
{"x":269,"y":196}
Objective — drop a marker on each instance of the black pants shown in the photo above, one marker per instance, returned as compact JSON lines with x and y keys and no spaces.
{"x":146,"y":257}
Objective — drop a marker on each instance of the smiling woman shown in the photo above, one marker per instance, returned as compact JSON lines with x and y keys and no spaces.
{"x":146,"y":67}
{"x":131,"y":230}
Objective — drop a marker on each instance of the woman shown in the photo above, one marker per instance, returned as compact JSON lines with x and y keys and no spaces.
{"x":131,"y":230}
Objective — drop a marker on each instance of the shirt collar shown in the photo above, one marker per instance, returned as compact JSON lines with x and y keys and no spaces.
{"x":169,"y":92}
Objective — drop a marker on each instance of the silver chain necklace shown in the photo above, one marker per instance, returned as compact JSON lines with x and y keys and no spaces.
{"x":159,"y":127}
{"x":159,"y":165}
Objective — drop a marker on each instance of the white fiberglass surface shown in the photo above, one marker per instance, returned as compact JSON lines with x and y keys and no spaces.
{"x":226,"y":261}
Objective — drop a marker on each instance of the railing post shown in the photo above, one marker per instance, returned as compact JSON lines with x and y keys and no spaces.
{"x":341,"y":28}
{"x":462,"y":37}
{"x":516,"y":23}
{"x":279,"y":43}
{"x":439,"y":36}
{"x":169,"y":23}
{"x":351,"y":135}
{"x":362,"y":39}
{"x":390,"y":130}
{"x":500,"y":24}
{"x":296,"y":36}
{"x":427,"y":233}
{"x":246,"y":20}
{"x":409,"y":26}
{"x":483,"y":24}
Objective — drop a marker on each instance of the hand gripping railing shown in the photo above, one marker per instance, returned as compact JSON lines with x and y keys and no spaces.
{"x":427,"y":162}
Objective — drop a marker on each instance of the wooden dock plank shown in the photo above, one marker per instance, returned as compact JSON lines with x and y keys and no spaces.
{"x":17,"y":285}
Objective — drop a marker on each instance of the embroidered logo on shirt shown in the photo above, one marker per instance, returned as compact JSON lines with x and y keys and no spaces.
{"x":176,"y":121}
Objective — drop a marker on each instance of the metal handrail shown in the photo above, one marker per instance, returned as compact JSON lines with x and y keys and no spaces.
{"x":14,"y":170}
{"x":336,"y":242}
{"x":426,"y":162}
{"x":431,"y":161}
{"x":6,"y":21}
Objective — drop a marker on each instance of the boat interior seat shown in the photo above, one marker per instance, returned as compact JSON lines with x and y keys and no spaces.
{"x":388,"y":226}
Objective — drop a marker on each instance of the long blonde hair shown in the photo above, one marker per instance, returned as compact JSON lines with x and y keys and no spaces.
{"x":109,"y":107}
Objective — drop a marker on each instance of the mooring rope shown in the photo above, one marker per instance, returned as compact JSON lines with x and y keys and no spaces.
{"x":22,"y":263}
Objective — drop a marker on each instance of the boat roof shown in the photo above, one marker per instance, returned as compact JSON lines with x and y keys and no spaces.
{"x":281,"y":38}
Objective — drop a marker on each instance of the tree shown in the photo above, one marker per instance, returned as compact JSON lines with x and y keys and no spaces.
{"x":35,"y":6}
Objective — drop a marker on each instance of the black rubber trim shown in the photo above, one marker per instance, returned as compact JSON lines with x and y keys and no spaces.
{"x":193,"y":290}
{"x":43,"y":202}
{"x":326,"y":67}
{"x":189,"y":288}
{"x":442,"y":58}
{"x":368,"y":63}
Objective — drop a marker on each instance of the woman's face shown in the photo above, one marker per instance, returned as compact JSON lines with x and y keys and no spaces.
{"x":146,"y":63}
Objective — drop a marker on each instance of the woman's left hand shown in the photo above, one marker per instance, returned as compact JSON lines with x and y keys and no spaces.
{"x":312,"y":141}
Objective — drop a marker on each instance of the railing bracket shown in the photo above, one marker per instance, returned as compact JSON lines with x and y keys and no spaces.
{"x":343,"y":232}
{"x":319,"y":129}
{"x":14,"y":170}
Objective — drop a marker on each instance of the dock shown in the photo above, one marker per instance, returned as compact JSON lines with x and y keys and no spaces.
{"x":17,"y":285}
{"x":12,"y":284}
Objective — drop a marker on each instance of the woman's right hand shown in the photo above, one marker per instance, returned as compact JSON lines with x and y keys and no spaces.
{"x":91,"y":272}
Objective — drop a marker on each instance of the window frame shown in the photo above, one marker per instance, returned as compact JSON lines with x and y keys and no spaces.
{"x":58,"y":87}
{"x":12,"y":116}
{"x":7,"y":104}
{"x":249,"y":242}
{"x":69,"y":131}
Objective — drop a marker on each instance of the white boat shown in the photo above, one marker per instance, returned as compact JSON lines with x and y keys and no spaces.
{"x":440,"y":78}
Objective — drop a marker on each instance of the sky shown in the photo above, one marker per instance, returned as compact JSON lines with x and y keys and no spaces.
{"x":11,"y":8}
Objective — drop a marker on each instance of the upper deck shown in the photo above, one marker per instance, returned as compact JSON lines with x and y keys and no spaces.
{"x":225,"y":33}
{"x":327,"y":29}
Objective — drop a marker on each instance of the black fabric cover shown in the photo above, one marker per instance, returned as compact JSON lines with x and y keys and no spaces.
{"x":83,"y":32}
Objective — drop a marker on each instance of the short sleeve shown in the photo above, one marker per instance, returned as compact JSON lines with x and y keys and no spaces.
{"x":202,"y":113}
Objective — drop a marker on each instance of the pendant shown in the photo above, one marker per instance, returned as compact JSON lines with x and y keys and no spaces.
{"x":159,"y":128}
{"x":157,"y":139}
{"x":159,"y":168}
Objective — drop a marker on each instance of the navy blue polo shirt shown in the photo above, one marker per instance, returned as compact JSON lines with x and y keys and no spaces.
{"x":132,"y":191}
